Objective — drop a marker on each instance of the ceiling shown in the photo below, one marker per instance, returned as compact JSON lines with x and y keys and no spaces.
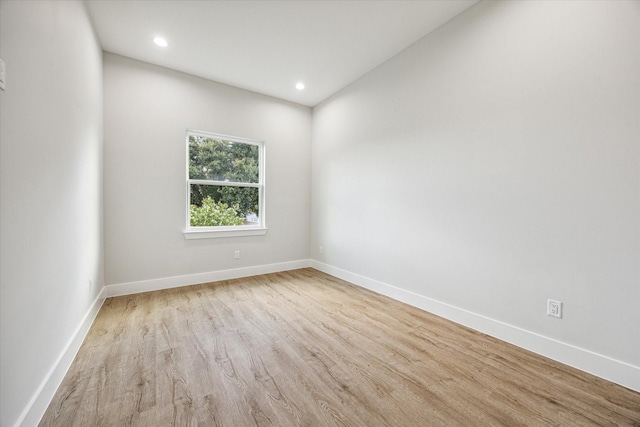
{"x":269,"y":46}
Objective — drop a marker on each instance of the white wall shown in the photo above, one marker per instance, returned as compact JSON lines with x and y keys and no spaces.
{"x":495,"y":164}
{"x":50,"y":198}
{"x":147,"y":112}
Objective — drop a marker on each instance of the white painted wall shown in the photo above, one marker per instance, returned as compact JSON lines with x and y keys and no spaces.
{"x":147,"y":112}
{"x":50,"y":198}
{"x":495,"y":164}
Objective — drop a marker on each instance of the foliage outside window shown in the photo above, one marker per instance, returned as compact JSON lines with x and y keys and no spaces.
{"x":225,"y":182}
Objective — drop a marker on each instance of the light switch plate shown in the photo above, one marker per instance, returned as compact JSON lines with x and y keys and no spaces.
{"x":2,"y":74}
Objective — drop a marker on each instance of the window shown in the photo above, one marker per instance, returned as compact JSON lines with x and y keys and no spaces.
{"x":225,"y":186}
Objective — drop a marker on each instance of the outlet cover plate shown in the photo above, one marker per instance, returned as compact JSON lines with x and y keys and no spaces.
{"x":554,"y":308}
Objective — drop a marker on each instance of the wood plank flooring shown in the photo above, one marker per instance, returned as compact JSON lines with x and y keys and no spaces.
{"x":302,"y":348}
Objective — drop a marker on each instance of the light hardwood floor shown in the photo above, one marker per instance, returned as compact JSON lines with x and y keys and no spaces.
{"x":302,"y":348}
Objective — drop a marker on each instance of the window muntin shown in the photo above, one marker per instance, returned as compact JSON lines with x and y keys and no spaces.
{"x":225,"y":183}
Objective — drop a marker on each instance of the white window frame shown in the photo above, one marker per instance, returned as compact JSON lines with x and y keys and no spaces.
{"x":226,"y":231}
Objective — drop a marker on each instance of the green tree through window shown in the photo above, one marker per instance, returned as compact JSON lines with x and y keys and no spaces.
{"x":225,"y":186}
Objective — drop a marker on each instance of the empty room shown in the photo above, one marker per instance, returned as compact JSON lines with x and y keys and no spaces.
{"x":319,"y":213}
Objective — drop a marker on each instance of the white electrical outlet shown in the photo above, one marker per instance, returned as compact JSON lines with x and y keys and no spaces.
{"x":236,"y":255}
{"x":321,"y":250}
{"x":91,"y":284}
{"x":554,"y":308}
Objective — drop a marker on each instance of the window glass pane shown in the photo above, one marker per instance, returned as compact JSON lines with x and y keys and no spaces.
{"x":221,"y":160}
{"x":219,"y":205}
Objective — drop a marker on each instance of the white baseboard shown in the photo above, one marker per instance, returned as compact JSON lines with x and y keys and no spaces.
{"x":40,"y":401}
{"x":599,"y":365}
{"x":194,"y":279}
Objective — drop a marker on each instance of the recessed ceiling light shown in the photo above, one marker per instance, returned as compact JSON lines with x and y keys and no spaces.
{"x":299,"y":85}
{"x":160,"y":42}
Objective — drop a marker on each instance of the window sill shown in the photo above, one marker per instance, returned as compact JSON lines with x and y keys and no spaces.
{"x":218,"y":232}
